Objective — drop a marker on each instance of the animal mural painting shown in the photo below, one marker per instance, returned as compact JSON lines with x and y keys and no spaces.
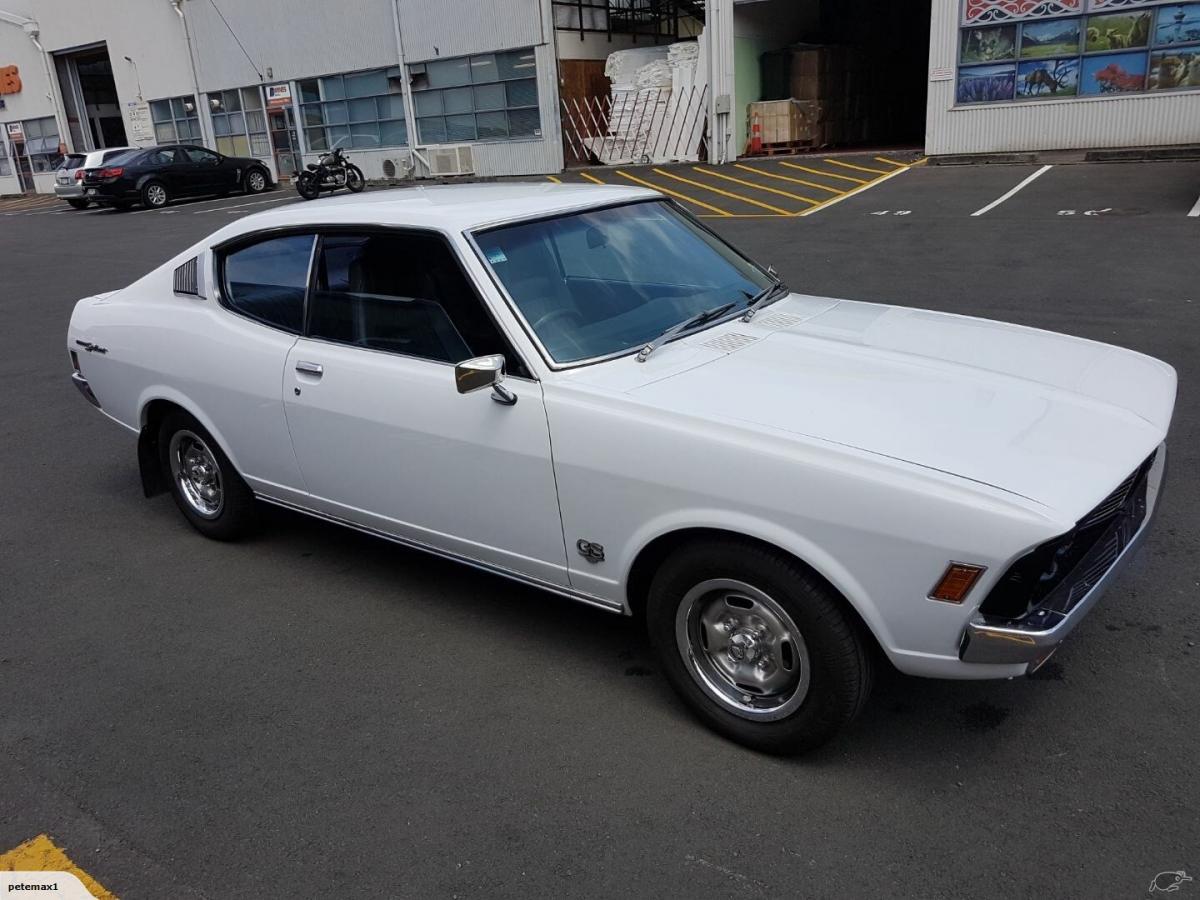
{"x":1048,"y":78}
{"x":1057,"y":37}
{"x":1119,"y":31}
{"x":980,"y":45}
{"x":1174,"y":69}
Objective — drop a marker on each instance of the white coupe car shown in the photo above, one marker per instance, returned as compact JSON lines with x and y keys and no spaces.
{"x":584,"y":389}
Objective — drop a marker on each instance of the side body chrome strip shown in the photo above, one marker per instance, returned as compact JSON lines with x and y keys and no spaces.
{"x":598,"y":602}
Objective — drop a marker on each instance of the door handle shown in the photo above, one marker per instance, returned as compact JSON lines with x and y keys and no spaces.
{"x":310,"y":368}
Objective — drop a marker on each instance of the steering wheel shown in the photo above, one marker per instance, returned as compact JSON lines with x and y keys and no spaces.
{"x":554,"y":315}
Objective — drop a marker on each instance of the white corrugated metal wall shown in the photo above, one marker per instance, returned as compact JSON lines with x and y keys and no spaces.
{"x":1131,"y":120}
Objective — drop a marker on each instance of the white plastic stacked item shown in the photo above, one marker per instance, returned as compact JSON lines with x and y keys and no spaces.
{"x":657,"y":112}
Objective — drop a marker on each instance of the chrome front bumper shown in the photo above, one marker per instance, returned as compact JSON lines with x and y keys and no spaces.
{"x":1009,"y":644}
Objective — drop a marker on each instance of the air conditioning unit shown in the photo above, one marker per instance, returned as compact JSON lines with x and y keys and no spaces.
{"x":451,"y":160}
{"x":400,"y":167}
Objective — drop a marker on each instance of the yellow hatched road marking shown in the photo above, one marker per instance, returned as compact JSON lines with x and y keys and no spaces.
{"x":865,"y":186}
{"x":891,"y":162}
{"x":40,"y":854}
{"x":555,"y":180}
{"x":716,"y":190}
{"x":824,"y":173}
{"x":720,"y":212}
{"x":811,"y":184}
{"x":846,"y":165}
{"x":590,"y":177}
{"x":757,"y":187}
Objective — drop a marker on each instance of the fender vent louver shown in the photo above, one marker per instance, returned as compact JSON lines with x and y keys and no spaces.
{"x":727,"y":343}
{"x":779,"y":320}
{"x":187,"y":279}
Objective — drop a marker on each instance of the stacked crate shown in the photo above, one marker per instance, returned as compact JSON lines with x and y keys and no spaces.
{"x":828,"y":84}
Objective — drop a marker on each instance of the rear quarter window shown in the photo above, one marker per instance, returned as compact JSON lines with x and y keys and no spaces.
{"x":267,"y":280}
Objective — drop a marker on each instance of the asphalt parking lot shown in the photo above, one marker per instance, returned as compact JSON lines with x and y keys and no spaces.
{"x":316,"y":713}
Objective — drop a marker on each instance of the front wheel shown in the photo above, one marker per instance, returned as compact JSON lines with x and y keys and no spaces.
{"x":354,"y":178}
{"x":256,"y":181}
{"x":207,"y":489}
{"x":307,"y":187}
{"x":758,"y":646}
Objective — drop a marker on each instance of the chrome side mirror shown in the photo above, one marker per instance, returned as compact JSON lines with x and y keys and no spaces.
{"x":484,"y":372}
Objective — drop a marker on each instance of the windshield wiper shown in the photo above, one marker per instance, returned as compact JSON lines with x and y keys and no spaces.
{"x":699,"y":318}
{"x":763,"y":297}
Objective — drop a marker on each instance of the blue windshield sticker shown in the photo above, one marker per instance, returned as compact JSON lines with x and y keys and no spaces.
{"x":496,"y":255}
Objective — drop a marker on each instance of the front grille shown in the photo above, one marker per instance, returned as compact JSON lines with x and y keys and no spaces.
{"x":1051,"y":579}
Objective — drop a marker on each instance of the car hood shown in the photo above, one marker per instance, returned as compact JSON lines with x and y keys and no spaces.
{"x":1054,"y":419}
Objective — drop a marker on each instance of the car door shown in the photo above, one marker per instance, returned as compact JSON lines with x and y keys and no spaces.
{"x":382,"y":436}
{"x":208,"y":175}
{"x":171,"y":166}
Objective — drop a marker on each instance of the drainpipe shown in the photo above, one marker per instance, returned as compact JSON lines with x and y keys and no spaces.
{"x":201,"y":110}
{"x":33,"y":32}
{"x":410,"y":113}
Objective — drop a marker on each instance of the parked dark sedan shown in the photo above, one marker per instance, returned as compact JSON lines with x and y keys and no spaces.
{"x":157,"y":175}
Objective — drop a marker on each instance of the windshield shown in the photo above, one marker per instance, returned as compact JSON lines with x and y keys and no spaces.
{"x":609,"y":280}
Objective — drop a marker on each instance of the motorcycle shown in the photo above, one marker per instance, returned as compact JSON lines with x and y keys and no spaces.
{"x":332,"y":173}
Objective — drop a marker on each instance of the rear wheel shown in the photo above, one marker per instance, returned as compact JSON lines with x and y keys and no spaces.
{"x":757,"y":645}
{"x":154,"y":195}
{"x":207,"y":489}
{"x":255,"y":181}
{"x":79,"y":204}
{"x":306,"y":186}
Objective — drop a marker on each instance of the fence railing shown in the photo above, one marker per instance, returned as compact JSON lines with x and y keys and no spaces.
{"x":650,"y":125}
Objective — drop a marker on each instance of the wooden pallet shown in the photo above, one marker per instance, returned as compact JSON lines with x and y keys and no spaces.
{"x":785,"y":148}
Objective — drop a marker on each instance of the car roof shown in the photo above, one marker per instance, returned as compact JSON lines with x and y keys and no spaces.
{"x":454,"y":208}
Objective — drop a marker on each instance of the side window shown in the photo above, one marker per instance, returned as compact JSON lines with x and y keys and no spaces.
{"x":403,"y":293}
{"x":205,"y":157}
{"x":267,"y":281}
{"x":166,"y":156}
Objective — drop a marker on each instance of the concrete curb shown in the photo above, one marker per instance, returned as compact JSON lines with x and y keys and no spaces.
{"x":1067,"y":157}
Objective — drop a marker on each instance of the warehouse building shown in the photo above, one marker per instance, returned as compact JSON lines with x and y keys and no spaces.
{"x":413,"y":88}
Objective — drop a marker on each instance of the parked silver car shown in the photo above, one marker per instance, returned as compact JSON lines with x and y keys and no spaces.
{"x":68,"y":178}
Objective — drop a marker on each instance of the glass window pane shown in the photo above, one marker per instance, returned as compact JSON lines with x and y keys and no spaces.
{"x":332,"y":87}
{"x":339,"y":135}
{"x":316,"y":139}
{"x":309,"y":90}
{"x":489,"y":96}
{"x":460,"y":128}
{"x":367,"y":84}
{"x":524,"y":123}
{"x":391,"y":106}
{"x":457,"y":101}
{"x":237,"y":123}
{"x":260,"y":146}
{"x":363,"y":110}
{"x":336,"y":114}
{"x":251,"y":98}
{"x":393,"y":133}
{"x":220,"y":125}
{"x":428,"y":103}
{"x":267,"y":281}
{"x":311,"y":114}
{"x":189,"y":129}
{"x":177,"y":108}
{"x":483,"y":68}
{"x":256,"y":121}
{"x":516,"y":64}
{"x":432,"y":131}
{"x":160,"y":110}
{"x":447,"y":73}
{"x":225,"y":145}
{"x":522,"y":93}
{"x":491,"y":125}
{"x":215,"y":103}
{"x":164,"y":133}
{"x":232,"y":101}
{"x":364,"y":135}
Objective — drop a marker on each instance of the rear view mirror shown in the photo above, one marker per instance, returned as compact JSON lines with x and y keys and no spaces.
{"x":483,"y":372}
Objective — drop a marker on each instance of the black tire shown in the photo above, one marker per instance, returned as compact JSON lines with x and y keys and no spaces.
{"x":354,"y":178}
{"x":79,"y":204}
{"x":236,"y":513}
{"x":838,"y":654}
{"x":155,"y":195}
{"x":256,"y":180}
{"x":306,"y":186}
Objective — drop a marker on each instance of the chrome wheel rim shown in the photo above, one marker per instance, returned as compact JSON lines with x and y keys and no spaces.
{"x":743,"y":649}
{"x":156,"y":194}
{"x":257,"y":183}
{"x":196,"y":474}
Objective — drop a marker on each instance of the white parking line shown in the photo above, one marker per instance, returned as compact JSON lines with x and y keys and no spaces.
{"x":1195,"y":210}
{"x":240,"y":205}
{"x":1003,"y":197}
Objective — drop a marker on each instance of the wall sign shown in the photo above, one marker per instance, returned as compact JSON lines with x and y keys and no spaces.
{"x":15,"y":131}
{"x":141,"y":128}
{"x":279,"y":95}
{"x":10,"y":80}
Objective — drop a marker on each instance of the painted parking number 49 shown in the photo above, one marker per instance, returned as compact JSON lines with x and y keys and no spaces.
{"x":892,"y":212}
{"x":1086,"y":212}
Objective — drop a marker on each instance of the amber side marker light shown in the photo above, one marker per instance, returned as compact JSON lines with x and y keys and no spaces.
{"x":954,"y":586}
